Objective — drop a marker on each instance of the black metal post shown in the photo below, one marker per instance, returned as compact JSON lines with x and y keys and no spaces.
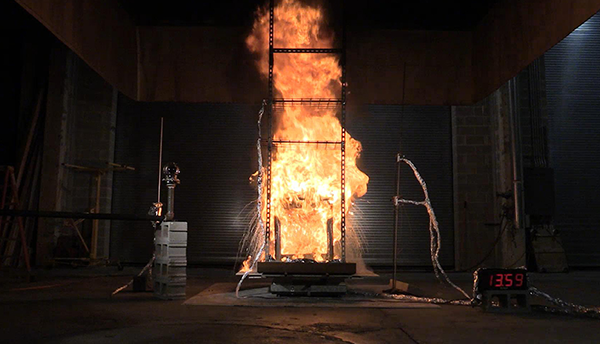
{"x":277,"y":239}
{"x":343,"y":144}
{"x":270,"y":134}
{"x":396,"y":219}
{"x":330,"y":253}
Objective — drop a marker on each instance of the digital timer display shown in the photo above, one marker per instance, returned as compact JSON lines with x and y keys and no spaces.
{"x":502,"y":279}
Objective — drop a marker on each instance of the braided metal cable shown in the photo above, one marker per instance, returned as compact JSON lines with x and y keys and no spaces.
{"x":261,"y":225}
{"x":434,"y":231}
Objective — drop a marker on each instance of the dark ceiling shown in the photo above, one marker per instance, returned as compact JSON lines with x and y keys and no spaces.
{"x":409,"y":15}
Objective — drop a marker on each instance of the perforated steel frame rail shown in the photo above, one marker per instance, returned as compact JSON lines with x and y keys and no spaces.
{"x":307,"y":102}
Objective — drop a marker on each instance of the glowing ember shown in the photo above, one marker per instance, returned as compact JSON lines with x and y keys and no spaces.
{"x":306,"y":178}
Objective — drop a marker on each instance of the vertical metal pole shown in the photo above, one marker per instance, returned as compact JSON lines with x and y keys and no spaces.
{"x":516,"y":152}
{"x":171,"y":171}
{"x":277,"y":239}
{"x":517,"y":162}
{"x":160,"y":149}
{"x":397,"y":197}
{"x":270,"y":135}
{"x":343,"y":144}
{"x":396,"y":219}
{"x":170,"y":202}
{"x":330,"y":253}
{"x":93,"y":253}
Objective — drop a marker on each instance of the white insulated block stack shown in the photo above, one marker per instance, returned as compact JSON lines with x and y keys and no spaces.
{"x":170,"y":248}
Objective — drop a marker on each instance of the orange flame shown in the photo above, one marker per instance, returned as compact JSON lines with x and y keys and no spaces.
{"x":306,"y":178}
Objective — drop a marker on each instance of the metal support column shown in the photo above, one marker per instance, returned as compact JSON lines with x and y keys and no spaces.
{"x":270,"y":135}
{"x":343,"y":145}
{"x":320,"y":102}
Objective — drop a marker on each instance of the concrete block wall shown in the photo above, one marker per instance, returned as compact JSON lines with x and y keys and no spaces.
{"x":473,"y":184}
{"x":485,"y":233}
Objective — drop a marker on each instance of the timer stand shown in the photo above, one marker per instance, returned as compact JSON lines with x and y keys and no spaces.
{"x":506,"y":301}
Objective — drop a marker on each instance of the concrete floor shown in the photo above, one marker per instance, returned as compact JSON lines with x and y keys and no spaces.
{"x":74,"y":306}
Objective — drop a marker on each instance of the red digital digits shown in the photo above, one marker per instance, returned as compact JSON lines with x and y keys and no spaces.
{"x":509,"y":280}
{"x":506,"y":280}
{"x":499,"y":280}
{"x":519,"y":279}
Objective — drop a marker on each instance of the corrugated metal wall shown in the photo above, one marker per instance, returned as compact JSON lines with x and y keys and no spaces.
{"x":573,"y":91}
{"x":214,"y":145}
{"x":423,"y":135}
